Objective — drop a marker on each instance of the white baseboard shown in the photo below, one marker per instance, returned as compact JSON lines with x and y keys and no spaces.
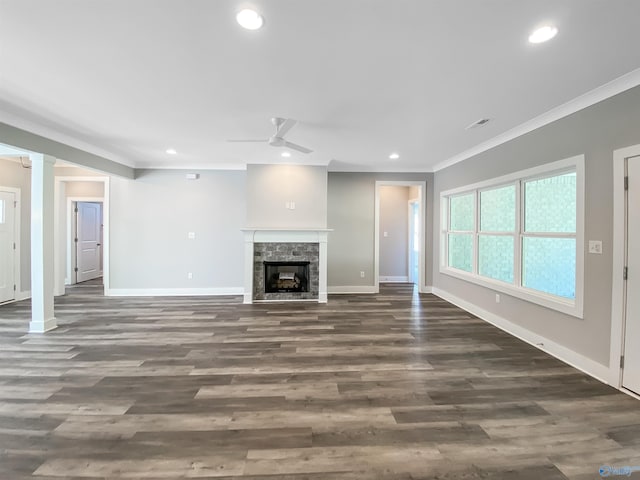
{"x":577,"y":360}
{"x":427,"y":289}
{"x":352,"y":289}
{"x":172,"y":292}
{"x":391,"y":279}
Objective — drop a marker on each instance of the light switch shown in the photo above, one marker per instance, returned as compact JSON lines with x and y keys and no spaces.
{"x":191,"y":235}
{"x":595,"y":246}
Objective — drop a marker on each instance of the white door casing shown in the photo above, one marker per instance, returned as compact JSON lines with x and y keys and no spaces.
{"x":89,"y":235}
{"x":631,"y":369}
{"x":414,"y":241}
{"x":7,"y":242}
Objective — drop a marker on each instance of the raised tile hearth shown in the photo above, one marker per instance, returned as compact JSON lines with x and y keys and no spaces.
{"x":287,"y":246}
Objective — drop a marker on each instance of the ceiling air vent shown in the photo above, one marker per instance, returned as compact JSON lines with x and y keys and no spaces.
{"x":479,"y":123}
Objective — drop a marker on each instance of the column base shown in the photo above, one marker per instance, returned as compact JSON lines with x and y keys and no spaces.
{"x":42,"y":327}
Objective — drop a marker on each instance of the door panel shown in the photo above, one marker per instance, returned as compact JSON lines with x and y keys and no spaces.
{"x":7,"y":252}
{"x":631,"y":371}
{"x":89,"y":251}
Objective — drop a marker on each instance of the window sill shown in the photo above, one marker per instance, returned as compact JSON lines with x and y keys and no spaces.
{"x":552,"y":302}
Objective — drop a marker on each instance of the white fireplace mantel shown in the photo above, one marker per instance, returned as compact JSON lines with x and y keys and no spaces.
{"x":285,"y":235}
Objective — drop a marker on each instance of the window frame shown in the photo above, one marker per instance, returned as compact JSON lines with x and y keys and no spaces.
{"x":573,"y":307}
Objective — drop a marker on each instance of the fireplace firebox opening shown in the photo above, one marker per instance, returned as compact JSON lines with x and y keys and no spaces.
{"x":280,"y":277}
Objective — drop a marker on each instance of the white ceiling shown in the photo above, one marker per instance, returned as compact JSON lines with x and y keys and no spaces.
{"x":364,"y":78}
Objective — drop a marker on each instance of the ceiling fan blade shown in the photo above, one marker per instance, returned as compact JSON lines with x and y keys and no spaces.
{"x":299,"y":148}
{"x":262,"y":140}
{"x":287,"y":125}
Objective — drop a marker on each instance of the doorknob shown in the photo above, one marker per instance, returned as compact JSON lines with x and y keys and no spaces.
{"x":98,"y":244}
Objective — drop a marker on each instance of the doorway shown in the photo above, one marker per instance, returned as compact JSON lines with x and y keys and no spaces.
{"x":631,"y":333}
{"x":8,"y":243}
{"x":68,"y":191}
{"x":86,"y":258}
{"x":415,"y":256}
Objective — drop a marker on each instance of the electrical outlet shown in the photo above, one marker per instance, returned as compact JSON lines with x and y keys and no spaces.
{"x":189,"y":276}
{"x":191,"y":235}
{"x":385,"y":234}
{"x":497,"y":298}
{"x":595,"y":246}
{"x":362,"y":274}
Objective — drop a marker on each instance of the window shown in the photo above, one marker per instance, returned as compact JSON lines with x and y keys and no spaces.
{"x":520,"y":234}
{"x":496,"y":236}
{"x":549,"y":236}
{"x":460,"y":237}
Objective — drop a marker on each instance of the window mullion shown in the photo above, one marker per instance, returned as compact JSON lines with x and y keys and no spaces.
{"x":476,"y":229}
{"x":517,"y":241}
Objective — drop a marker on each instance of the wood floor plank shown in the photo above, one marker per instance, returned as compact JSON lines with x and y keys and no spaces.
{"x":393,"y":386}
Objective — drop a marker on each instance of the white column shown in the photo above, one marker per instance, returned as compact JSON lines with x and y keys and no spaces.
{"x":42,"y":243}
{"x":322,"y":267}
{"x":248,"y":266}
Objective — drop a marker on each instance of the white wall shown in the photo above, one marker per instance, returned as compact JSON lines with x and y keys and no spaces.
{"x":394,"y":220}
{"x":150,"y":219}
{"x":271,"y":187}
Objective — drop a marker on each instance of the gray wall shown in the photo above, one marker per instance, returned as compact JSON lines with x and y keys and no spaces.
{"x":596,"y":132}
{"x":270,"y":187}
{"x":13,"y":175}
{"x":151,"y":217}
{"x":84,"y":189}
{"x":19,"y":138}
{"x":394,"y":220}
{"x":350,"y":213}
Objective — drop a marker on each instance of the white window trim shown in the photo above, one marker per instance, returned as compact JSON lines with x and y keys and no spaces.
{"x":567,"y":306}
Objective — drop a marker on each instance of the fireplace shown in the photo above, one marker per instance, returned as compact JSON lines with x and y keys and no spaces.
{"x":285,"y":265}
{"x":286,"y":277}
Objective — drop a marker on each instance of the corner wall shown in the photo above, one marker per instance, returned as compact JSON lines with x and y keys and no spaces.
{"x":351,"y":215}
{"x":595,"y":132}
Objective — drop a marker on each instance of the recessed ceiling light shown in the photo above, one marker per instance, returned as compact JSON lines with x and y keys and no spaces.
{"x":394,"y":156}
{"x":543,"y":34}
{"x":249,"y":19}
{"x":285,"y":154}
{"x":171,"y":151}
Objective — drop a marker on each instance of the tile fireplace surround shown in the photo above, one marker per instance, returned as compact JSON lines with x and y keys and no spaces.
{"x":263,"y":244}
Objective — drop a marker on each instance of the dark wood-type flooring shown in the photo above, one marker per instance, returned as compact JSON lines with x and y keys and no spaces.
{"x":391,"y":386}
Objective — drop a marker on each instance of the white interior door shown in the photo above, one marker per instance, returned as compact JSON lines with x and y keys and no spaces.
{"x":7,"y":250}
{"x":89,"y":235}
{"x":631,"y":370}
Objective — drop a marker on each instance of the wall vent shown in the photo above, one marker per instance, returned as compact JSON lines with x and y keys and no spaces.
{"x":479,"y":123}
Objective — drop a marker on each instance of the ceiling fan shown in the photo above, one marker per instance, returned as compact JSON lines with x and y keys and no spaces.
{"x":283,"y":125}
